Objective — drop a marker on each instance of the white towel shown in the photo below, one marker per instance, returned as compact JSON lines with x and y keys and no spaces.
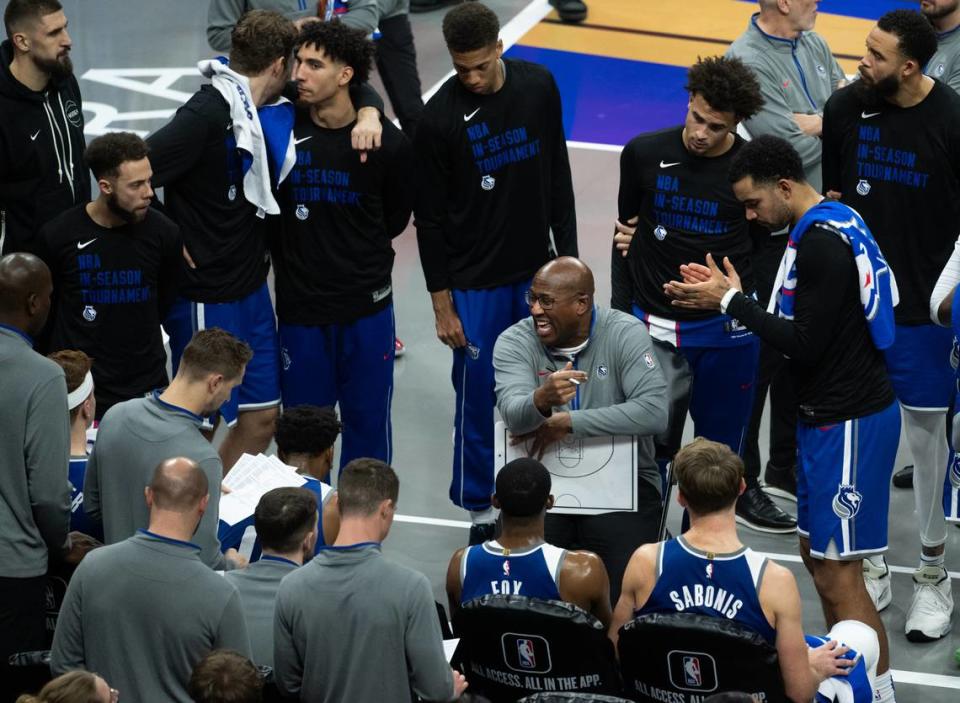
{"x":249,"y":135}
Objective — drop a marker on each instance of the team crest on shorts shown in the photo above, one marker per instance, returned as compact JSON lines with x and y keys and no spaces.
{"x":285,"y":359}
{"x":89,"y":313}
{"x":488,"y":182}
{"x":863,"y":187}
{"x":232,"y":193}
{"x":660,"y":232}
{"x":473,"y":351}
{"x":303,"y":212}
{"x":847,"y":502}
{"x":955,"y":471}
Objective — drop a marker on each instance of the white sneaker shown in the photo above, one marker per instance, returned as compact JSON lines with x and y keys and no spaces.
{"x":877,"y":581}
{"x":929,"y":616}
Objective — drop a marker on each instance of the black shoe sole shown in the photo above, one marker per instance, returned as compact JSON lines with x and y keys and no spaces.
{"x":904,"y":477}
{"x":918,"y":636}
{"x":572,"y":17}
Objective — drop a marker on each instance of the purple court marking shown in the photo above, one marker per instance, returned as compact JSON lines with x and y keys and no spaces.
{"x":610,"y":101}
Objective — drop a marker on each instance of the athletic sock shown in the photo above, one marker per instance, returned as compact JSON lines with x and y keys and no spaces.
{"x":938,"y":560}
{"x":883,"y":689}
{"x":482,"y":517}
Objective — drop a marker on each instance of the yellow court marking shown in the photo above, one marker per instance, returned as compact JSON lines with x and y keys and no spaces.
{"x":676,"y":33}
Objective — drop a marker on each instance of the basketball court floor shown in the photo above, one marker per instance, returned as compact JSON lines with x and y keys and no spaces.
{"x":620,"y":73}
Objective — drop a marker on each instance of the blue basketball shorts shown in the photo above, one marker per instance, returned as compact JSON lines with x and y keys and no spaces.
{"x":919,"y":367}
{"x":843,"y":484}
{"x":250,"y":319}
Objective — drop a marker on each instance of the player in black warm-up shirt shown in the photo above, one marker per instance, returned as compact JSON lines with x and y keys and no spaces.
{"x":115,"y":263}
{"x":494,"y":180}
{"x":835,"y":302}
{"x":334,"y":256}
{"x":199,"y":160}
{"x":891,"y":148}
{"x":675,"y":180}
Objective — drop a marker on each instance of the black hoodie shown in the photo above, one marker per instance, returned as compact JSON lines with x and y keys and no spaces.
{"x":42,"y":171}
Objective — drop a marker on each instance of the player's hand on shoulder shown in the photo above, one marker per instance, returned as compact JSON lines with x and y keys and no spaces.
{"x":367,"y":133}
{"x":828,"y":660}
{"x":623,"y":234}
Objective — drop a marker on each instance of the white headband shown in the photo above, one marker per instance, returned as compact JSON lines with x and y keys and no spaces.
{"x":80,"y":393}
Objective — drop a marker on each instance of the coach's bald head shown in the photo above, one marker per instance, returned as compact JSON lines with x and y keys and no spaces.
{"x":178,"y":486}
{"x":25,"y":290}
{"x":561,"y":302}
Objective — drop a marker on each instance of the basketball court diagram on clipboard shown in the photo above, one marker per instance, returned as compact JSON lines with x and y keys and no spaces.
{"x":589,"y":476}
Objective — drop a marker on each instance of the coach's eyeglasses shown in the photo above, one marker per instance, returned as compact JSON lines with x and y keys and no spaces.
{"x":546,"y":301}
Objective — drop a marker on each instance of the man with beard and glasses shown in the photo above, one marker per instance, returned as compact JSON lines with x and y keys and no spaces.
{"x":833,"y":316}
{"x":42,"y":172}
{"x":891,"y":150}
{"x":944,"y":15}
{"x":115,"y":263}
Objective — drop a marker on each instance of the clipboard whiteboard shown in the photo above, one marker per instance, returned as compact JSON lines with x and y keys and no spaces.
{"x":590,"y":476}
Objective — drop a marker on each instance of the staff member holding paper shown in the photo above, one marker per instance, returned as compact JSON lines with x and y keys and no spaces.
{"x":574,"y":369}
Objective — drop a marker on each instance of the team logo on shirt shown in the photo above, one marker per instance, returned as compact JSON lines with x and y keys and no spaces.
{"x":506,"y":567}
{"x":602,"y":370}
{"x":938,"y":71}
{"x":820,"y":68}
{"x":863,"y":187}
{"x":302,"y":212}
{"x":488,"y":182}
{"x":89,"y":313}
{"x":73,"y":113}
{"x":648,"y":360}
{"x":660,"y":232}
{"x":285,"y":359}
{"x":232,"y":193}
{"x":847,"y":502}
{"x":710,"y":570}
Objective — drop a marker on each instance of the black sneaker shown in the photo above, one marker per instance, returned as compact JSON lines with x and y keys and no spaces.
{"x":904,"y":477}
{"x":570,"y":10}
{"x":481,"y":532}
{"x":780,"y":481}
{"x":756,"y":511}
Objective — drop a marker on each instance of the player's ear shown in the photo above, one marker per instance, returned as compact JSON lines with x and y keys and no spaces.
{"x":743,"y":486}
{"x":494,"y":502}
{"x":346,"y":75}
{"x":550,"y":501}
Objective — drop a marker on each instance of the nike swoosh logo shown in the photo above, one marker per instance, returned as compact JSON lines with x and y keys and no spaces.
{"x":297,"y":141}
{"x":33,"y":137}
{"x":868,"y":115}
{"x":82,"y":245}
{"x":467,"y":118}
{"x":666,"y":165}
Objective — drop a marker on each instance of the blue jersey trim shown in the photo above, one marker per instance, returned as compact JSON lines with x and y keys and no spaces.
{"x":175,"y":408}
{"x":18,"y":331}
{"x":168,"y":540}
{"x":282,"y":560}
